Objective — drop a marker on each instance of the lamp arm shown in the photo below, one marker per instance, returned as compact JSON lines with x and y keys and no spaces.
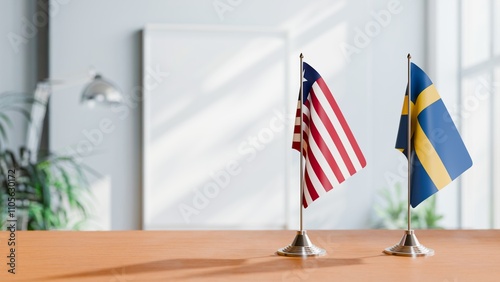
{"x":38,"y":111}
{"x":43,"y":91}
{"x":59,"y":84}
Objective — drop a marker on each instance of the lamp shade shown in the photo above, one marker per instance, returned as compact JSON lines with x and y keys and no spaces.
{"x":101,"y":90}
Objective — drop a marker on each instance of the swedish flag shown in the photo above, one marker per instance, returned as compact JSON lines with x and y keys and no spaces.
{"x":438,"y":152}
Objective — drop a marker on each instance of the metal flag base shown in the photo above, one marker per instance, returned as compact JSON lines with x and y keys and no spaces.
{"x":301,"y":247}
{"x":409,"y":247}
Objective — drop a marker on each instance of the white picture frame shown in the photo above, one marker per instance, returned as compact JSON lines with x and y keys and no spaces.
{"x":216,"y":127}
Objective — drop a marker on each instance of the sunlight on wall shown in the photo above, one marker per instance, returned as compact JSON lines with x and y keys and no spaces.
{"x":226,"y":118}
{"x":219,"y":121}
{"x":218,"y":132}
{"x":477,"y":184}
{"x":100,"y":203}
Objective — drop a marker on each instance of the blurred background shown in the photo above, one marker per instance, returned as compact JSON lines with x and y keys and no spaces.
{"x":201,"y":138}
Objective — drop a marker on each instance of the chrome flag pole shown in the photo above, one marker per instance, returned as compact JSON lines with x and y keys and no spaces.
{"x":301,"y":245}
{"x":409,"y":245}
{"x":301,"y":169}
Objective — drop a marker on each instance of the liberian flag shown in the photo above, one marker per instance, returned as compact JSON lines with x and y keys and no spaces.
{"x":331,"y":153}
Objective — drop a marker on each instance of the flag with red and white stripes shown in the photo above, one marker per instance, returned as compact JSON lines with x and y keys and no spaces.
{"x":330,"y":150}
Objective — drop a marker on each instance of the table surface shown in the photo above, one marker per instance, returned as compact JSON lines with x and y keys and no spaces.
{"x":352,"y":255}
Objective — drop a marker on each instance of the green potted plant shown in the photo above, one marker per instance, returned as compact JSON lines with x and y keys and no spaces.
{"x":51,"y":192}
{"x":392,"y":213}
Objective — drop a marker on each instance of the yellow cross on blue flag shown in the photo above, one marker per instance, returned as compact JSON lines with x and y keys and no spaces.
{"x":438,"y":154}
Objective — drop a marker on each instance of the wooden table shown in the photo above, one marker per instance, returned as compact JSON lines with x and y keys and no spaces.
{"x":117,"y":256}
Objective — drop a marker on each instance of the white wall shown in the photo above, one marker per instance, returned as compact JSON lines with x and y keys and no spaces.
{"x":17,"y":57}
{"x":369,"y":86}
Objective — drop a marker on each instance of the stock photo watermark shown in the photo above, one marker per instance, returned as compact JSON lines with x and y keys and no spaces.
{"x":220,"y":179}
{"x":364,"y":36}
{"x":120,"y":276}
{"x":303,"y":273}
{"x":11,"y":220}
{"x":30,"y":26}
{"x":222,"y":7}
{"x":94,"y":137}
{"x":483,"y":91}
{"x":153,"y":78}
{"x":393,"y":178}
{"x":309,"y":266}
